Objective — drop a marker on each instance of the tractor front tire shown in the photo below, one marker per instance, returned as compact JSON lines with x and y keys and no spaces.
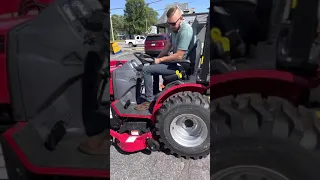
{"x":263,"y":138}
{"x":183,"y":125}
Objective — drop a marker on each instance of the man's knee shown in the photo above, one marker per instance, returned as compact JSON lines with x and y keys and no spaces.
{"x":147,"y":69}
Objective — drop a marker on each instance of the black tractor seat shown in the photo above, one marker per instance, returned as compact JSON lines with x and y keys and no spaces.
{"x":187,"y":66}
{"x":240,"y":25}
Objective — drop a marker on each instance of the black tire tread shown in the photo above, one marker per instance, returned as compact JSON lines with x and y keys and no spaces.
{"x":185,"y":98}
{"x":271,"y":116}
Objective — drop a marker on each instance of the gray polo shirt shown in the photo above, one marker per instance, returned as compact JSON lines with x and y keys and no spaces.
{"x":183,"y":39}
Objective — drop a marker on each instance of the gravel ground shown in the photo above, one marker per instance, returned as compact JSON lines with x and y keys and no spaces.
{"x":157,"y":166}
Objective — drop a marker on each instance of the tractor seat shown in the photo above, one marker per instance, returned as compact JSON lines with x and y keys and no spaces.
{"x":187,"y":66}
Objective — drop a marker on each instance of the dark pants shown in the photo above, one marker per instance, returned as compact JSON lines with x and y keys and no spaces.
{"x":155,"y":70}
{"x":95,"y":122}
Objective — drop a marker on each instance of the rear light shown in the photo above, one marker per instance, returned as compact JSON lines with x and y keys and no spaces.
{"x":1,"y":43}
{"x":162,"y":43}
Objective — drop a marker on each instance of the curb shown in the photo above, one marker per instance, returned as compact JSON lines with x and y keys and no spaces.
{"x":133,"y":49}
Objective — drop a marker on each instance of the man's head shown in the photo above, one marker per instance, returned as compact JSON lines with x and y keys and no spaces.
{"x":174,"y":16}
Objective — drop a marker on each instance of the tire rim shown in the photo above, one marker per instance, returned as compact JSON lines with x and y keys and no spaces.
{"x":188,"y":130}
{"x":247,"y":173}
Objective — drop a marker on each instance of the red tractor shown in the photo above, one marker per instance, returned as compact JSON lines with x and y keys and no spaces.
{"x":41,"y":64}
{"x":178,"y":120}
{"x":264,"y":66}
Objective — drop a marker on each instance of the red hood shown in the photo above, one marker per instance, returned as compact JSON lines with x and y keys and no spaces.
{"x":114,"y":64}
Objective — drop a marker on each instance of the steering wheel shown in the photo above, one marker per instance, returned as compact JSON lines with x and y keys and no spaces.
{"x":144,"y":58}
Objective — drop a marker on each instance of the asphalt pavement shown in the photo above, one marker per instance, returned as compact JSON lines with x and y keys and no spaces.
{"x":157,"y":165}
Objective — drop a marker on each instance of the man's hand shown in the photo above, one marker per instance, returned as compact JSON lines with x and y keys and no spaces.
{"x":157,"y":60}
{"x":165,"y":51}
{"x":173,"y":57}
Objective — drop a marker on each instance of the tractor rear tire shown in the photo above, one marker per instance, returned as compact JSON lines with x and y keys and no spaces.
{"x":187,"y":105}
{"x":252,"y":135}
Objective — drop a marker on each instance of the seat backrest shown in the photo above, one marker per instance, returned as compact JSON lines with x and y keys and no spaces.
{"x":194,"y":55}
{"x":271,"y":15}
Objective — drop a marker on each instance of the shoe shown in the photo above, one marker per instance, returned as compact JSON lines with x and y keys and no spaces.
{"x":142,"y":107}
{"x":96,"y":145}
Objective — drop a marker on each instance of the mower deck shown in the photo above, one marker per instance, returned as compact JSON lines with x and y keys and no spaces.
{"x":65,"y":159}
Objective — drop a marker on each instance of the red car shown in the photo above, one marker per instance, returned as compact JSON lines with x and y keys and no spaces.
{"x":155,"y":43}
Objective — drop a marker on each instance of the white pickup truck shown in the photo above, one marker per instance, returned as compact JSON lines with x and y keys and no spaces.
{"x":138,"y":40}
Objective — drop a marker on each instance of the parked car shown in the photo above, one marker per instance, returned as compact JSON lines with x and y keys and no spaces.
{"x":137,"y":40}
{"x":155,"y":43}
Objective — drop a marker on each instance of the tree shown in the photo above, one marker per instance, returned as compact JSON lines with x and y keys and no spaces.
{"x":117,"y":24}
{"x":152,"y":18}
{"x":138,"y":17}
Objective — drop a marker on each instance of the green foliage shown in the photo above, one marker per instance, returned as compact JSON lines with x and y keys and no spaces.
{"x":117,"y":24}
{"x":151,"y":18}
{"x":138,"y":17}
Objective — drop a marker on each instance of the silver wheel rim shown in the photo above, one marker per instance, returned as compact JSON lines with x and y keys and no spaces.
{"x":188,"y":130}
{"x":244,"y":172}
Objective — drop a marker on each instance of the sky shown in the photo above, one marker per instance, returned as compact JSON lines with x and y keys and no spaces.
{"x":199,"y":5}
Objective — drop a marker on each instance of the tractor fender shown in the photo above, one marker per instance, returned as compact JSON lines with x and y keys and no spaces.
{"x":265,"y":82}
{"x":175,"y":89}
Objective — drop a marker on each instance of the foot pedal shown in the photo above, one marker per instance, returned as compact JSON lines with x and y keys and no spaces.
{"x":55,"y":136}
{"x":127,"y":104}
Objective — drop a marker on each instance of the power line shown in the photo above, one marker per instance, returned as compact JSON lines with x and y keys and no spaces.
{"x":116,"y":8}
{"x":160,"y":9}
{"x":153,"y":2}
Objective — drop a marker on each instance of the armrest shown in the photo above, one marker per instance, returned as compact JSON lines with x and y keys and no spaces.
{"x":182,"y":61}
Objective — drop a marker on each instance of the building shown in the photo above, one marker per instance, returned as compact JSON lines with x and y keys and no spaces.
{"x":153,"y":30}
{"x":196,"y":20}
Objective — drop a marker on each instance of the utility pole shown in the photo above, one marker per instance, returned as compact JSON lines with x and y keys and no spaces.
{"x":111,"y":28}
{"x":146,"y":26}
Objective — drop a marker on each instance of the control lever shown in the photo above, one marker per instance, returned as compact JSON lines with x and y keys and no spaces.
{"x":55,"y":136}
{"x":127,"y":104}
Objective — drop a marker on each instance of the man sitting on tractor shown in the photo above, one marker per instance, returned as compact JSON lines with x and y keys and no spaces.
{"x":180,"y":41}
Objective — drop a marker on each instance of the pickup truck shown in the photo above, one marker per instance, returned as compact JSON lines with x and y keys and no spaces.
{"x":138,"y":40}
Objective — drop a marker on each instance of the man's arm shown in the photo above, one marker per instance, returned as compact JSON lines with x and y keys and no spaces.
{"x":165,"y":50}
{"x":183,"y":45}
